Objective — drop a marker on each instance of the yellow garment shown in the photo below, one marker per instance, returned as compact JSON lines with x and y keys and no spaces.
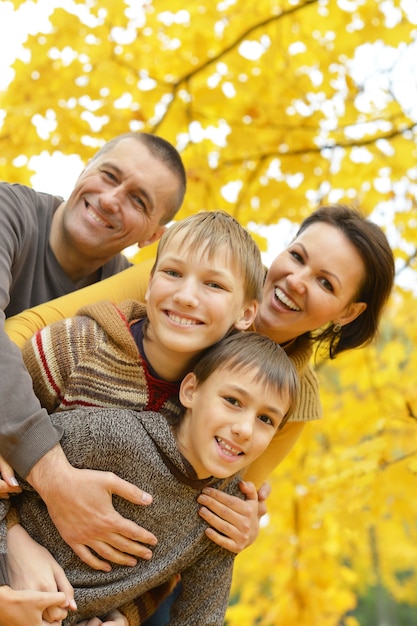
{"x":130,"y":284}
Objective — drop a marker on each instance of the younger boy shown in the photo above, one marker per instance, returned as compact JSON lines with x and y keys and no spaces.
{"x":234,"y":400}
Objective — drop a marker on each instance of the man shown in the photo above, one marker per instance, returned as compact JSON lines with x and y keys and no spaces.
{"x":48,"y":247}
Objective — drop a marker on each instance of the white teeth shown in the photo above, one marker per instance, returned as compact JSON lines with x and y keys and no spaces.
{"x":228,"y":449}
{"x":280,"y":295}
{"x":95,"y":217}
{"x":185,"y":321}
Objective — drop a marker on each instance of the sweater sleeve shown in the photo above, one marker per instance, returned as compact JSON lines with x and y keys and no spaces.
{"x":4,"y":510}
{"x":129,"y":284}
{"x":205,"y":589}
{"x":52,"y":355}
{"x":26,"y":431}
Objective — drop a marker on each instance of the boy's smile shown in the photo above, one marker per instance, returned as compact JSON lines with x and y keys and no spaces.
{"x":231,"y":418}
{"x":193,"y":300}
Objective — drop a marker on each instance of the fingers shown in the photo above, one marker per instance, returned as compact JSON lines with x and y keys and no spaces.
{"x":8,"y":484}
{"x":54,"y":614}
{"x":234,"y":522}
{"x":264,"y":492}
{"x":112,"y":552}
{"x":65,"y":586}
{"x":128,"y":491}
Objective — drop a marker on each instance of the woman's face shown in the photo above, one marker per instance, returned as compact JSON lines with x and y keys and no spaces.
{"x":312,"y":283}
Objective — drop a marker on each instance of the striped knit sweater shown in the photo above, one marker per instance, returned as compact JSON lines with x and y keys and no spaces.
{"x":140,"y":448}
{"x":92,"y":359}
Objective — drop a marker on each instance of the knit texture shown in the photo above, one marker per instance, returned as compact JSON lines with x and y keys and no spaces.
{"x":140,"y":448}
{"x":92,"y":360}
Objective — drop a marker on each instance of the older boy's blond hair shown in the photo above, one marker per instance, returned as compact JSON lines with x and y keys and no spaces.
{"x":207,"y":231}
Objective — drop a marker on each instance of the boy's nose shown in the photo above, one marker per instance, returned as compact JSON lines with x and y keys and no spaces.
{"x":243,"y":428}
{"x":187,"y":293}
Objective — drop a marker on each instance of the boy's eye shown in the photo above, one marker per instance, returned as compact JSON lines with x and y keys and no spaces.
{"x":214,"y":285}
{"x":173,"y":273}
{"x":266,"y":420}
{"x":232,"y":400}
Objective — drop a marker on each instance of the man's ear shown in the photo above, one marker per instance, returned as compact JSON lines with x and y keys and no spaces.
{"x":155,"y":237}
{"x":187,"y":389}
{"x":247,"y":317}
{"x":352,"y":311}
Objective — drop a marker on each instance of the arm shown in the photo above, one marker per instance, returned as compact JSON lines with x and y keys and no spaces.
{"x":129,"y":284}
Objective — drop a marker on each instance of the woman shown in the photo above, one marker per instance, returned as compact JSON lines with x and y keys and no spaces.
{"x":325,"y":292}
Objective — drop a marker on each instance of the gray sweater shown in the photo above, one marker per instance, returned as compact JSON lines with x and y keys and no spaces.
{"x":29,"y":275}
{"x":140,"y":448}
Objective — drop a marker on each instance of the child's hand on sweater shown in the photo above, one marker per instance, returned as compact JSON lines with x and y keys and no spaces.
{"x":21,"y":608}
{"x":31,"y":566}
{"x":115,"y":618}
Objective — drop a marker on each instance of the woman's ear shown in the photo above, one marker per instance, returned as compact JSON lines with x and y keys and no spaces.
{"x":187,"y":389}
{"x":247,"y":317}
{"x":353,"y":311}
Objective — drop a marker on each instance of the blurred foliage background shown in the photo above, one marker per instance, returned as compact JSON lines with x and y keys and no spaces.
{"x":276,"y":106}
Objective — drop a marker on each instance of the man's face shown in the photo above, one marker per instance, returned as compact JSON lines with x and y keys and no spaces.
{"x":119,"y":200}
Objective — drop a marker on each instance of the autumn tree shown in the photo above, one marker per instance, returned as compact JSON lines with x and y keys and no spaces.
{"x":275,"y":106}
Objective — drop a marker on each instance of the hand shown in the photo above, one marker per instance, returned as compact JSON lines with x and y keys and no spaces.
{"x":80,"y":505}
{"x":234,"y":522}
{"x":8,"y":484}
{"x":21,"y":608}
{"x":263,"y":493}
{"x":32,"y":567}
{"x":115,"y":618}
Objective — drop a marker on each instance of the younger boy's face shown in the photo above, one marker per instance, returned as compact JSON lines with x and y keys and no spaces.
{"x":193,"y":300}
{"x":230,"y":420}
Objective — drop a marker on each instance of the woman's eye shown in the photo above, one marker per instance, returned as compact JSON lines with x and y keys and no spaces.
{"x":326,"y":284}
{"x":296,"y":256}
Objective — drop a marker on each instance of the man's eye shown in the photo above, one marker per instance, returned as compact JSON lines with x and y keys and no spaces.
{"x":139,"y":202}
{"x":110,"y":175}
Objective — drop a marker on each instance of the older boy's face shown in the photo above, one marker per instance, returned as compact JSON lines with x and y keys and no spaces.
{"x":193,"y":300}
{"x":230,"y":421}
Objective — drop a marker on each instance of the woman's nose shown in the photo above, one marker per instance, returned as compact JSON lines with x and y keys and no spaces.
{"x":297,"y":281}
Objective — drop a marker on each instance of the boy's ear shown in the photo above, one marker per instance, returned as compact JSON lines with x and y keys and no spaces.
{"x":187,"y":389}
{"x":248,"y":316}
{"x":155,"y":237}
